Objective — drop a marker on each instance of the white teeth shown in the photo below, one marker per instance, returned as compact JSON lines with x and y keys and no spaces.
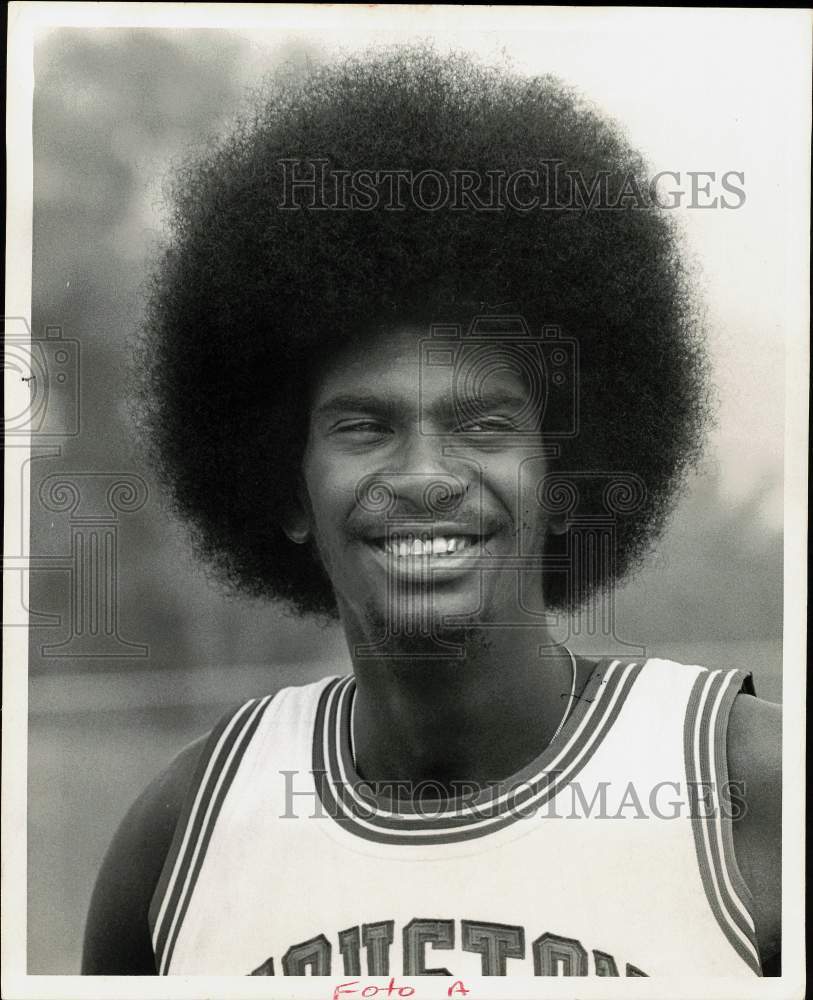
{"x":438,"y":546}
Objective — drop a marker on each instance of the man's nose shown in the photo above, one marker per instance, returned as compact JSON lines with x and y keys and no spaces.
{"x":423,"y":482}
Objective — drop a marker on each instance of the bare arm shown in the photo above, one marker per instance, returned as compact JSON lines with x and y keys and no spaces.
{"x":754,"y":760}
{"x":117,"y":934}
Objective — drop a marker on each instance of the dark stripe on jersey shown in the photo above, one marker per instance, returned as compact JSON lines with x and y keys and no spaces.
{"x":740,"y":683}
{"x":197,"y":846}
{"x":713,"y":778}
{"x":708,"y":686}
{"x":182,"y":826}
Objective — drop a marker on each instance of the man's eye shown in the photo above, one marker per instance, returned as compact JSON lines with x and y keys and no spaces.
{"x":498,"y":425}
{"x":360,"y":427}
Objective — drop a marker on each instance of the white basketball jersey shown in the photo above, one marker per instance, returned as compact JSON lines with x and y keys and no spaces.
{"x":611,"y":854}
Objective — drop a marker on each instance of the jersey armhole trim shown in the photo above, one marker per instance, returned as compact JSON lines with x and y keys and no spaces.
{"x":214,"y":773}
{"x":712,"y":802}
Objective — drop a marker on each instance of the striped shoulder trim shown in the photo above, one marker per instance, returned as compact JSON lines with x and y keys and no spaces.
{"x":704,"y":744}
{"x":215,"y":772}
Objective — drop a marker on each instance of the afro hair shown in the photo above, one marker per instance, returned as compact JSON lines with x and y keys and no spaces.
{"x":248,"y":299}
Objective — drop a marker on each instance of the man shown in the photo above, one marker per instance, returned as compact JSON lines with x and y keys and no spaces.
{"x":417,"y":324}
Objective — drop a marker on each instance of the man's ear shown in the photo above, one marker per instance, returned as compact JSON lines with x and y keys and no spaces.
{"x":296,"y":522}
{"x":557,"y":525}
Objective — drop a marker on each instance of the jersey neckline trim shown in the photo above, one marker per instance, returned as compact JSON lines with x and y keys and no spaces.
{"x":376,"y":816}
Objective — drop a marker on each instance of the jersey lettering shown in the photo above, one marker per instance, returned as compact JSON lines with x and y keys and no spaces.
{"x":552,"y":952}
{"x":349,"y":943}
{"x":605,"y":964}
{"x":377,"y":939}
{"x":495,"y":942}
{"x":417,"y":935}
{"x":311,"y":958}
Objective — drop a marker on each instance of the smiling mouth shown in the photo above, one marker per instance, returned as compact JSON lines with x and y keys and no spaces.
{"x":411,"y":546}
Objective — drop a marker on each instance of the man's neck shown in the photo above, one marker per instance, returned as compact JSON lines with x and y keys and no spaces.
{"x":471,"y":719}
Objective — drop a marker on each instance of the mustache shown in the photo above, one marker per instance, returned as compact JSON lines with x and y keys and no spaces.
{"x":406,"y":519}
{"x":415,"y":503}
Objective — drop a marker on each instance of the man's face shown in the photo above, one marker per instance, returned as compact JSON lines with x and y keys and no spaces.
{"x":421,"y":487}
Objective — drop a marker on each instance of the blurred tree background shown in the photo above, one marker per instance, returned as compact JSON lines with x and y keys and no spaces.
{"x":113,"y":110}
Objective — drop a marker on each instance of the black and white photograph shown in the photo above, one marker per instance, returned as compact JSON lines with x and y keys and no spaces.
{"x":406,"y":501}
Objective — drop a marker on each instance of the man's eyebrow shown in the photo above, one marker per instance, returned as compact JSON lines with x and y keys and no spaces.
{"x":479,"y":402}
{"x":492,"y":397}
{"x":365,"y":402}
{"x":447,"y":406}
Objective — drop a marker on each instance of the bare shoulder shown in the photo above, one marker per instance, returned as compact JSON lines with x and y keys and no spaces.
{"x":117,"y":938}
{"x":754,"y":745}
{"x":755,"y":739}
